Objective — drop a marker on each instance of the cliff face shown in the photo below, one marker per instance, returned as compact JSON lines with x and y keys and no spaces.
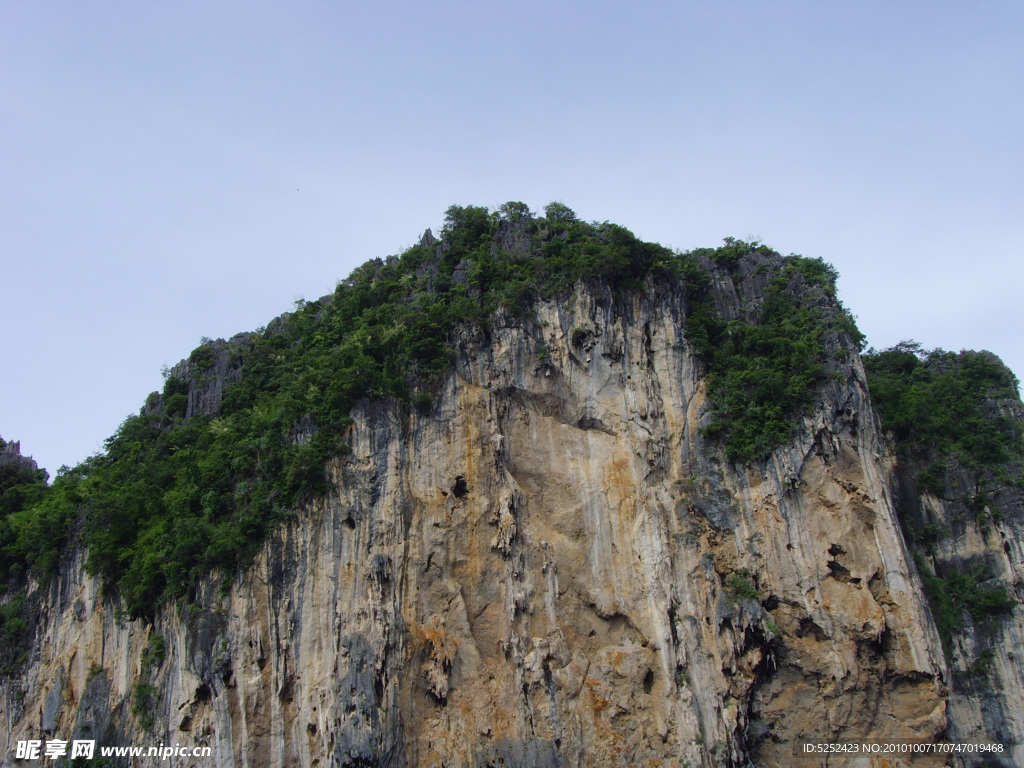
{"x":968,"y":530}
{"x":553,"y":567}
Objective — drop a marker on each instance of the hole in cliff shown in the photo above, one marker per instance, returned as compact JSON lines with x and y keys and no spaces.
{"x":287,"y":692}
{"x":648,"y":681}
{"x":438,"y":699}
{"x":877,"y":588}
{"x":311,"y":729}
{"x":349,"y":523}
{"x":874,"y":649}
{"x":460,"y":488}
{"x":808,"y":628}
{"x":835,"y":549}
{"x":672,"y":610}
{"x":378,"y":689}
{"x":261,"y":663}
{"x":186,"y":724}
{"x":203,"y":693}
{"x":839,"y":572}
{"x":770,"y":603}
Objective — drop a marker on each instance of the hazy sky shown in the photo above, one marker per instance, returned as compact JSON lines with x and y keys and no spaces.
{"x":174,"y":170}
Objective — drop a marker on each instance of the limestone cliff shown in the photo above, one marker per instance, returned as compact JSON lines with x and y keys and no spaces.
{"x":987,"y":678}
{"x":963,"y":512}
{"x":551,"y":565}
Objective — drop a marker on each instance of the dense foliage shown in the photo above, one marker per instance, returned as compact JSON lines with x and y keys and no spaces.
{"x":941,"y":404}
{"x":951,"y":596}
{"x":944,"y":410}
{"x":27,"y":515}
{"x":175,"y":495}
{"x":762,"y":374}
{"x":23,"y":490}
{"x":21,"y":483}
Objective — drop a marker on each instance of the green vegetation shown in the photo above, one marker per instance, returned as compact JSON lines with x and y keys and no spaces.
{"x":32,"y":528}
{"x":740,"y":585}
{"x":578,"y":336}
{"x":773,"y":626}
{"x":940,"y":405}
{"x":24,"y":515}
{"x":21,"y":484}
{"x":143,"y":696}
{"x":943,"y":410}
{"x":172,"y":498}
{"x":764,"y":375}
{"x":144,"y":693}
{"x":155,"y":652}
{"x":14,"y":629}
{"x":981,"y":667}
{"x":951,"y":596}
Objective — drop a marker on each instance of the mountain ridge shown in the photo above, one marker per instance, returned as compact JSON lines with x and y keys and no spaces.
{"x":725,"y":390}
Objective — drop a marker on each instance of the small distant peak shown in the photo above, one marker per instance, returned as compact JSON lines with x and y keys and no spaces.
{"x":428,"y":238}
{"x":10,"y":455}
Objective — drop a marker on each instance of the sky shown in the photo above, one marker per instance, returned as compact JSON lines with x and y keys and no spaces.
{"x":173,"y":171}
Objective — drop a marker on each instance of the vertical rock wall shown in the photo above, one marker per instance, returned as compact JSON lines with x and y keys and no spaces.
{"x":975,"y":528}
{"x":552,"y":568}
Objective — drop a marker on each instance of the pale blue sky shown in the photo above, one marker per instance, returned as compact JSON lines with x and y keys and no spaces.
{"x":176,"y":170}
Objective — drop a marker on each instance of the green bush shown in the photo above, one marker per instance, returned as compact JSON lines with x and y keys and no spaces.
{"x":155,"y":652}
{"x":741,"y":585}
{"x":764,"y":375}
{"x":22,"y":488}
{"x":202,"y":357}
{"x":21,"y":485}
{"x":143,"y":703}
{"x":952,"y":595}
{"x":940,"y":404}
{"x":176,"y":405}
{"x":423,"y":403}
{"x":981,"y":667}
{"x":14,"y":632}
{"x":559,"y":212}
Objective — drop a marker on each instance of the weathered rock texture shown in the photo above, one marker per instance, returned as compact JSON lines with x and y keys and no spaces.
{"x":552,"y":568}
{"x":975,"y":525}
{"x":10,"y":456}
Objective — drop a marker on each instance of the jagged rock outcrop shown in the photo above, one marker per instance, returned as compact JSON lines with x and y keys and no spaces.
{"x":204,"y":374}
{"x":10,"y":457}
{"x":551,"y":567}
